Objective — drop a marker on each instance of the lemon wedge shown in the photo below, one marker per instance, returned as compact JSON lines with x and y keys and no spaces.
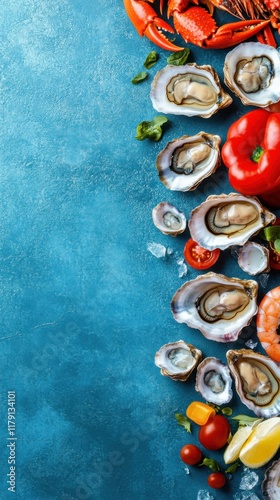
{"x":233,"y":449}
{"x":262,"y":443}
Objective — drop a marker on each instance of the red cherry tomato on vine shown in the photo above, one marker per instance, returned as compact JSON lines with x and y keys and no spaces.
{"x":198,"y":257}
{"x":216,"y":480}
{"x":215,"y":433}
{"x":191,"y":454}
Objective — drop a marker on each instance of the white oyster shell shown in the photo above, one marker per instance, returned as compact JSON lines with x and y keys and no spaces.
{"x":271,"y":482}
{"x":231,"y":231}
{"x":257,"y":381}
{"x":234,"y":304}
{"x":177,"y":360}
{"x":253,"y":258}
{"x":168,"y":219}
{"x":189,"y":90}
{"x":213,"y":381}
{"x":257,"y":83}
{"x":186,"y":161}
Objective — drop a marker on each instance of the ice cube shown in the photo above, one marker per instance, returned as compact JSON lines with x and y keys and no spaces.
{"x":249,"y":479}
{"x":263,"y":279}
{"x":156,"y":249}
{"x":251,"y":344}
{"x":182,"y":270}
{"x":204,"y":495}
{"x":245,"y":495}
{"x":186,"y":469}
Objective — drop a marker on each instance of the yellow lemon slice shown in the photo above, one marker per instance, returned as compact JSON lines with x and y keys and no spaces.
{"x":233,"y":449}
{"x":262,"y":444}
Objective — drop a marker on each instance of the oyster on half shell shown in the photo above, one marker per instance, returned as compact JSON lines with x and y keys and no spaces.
{"x":213,"y":381}
{"x":177,"y":360}
{"x":271,"y":482}
{"x":189,"y":90}
{"x":225,"y":220}
{"x":252,"y":72}
{"x":168,"y":219}
{"x":216,"y":305}
{"x":257,"y":381}
{"x":186,"y":161}
{"x":253,"y":258}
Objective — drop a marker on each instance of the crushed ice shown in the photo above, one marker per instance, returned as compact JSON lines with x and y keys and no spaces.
{"x":204,"y":495}
{"x":187,"y":470}
{"x":157,"y":249}
{"x":263,"y":279}
{"x":249,"y":479}
{"x":251,"y":344}
{"x":245,"y":495}
{"x":160,"y":252}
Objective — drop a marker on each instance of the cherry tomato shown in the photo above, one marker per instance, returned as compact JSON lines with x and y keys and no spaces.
{"x":198,"y":257}
{"x":216,"y":480}
{"x":215,"y":433}
{"x":191,"y":454}
{"x":274,"y":257}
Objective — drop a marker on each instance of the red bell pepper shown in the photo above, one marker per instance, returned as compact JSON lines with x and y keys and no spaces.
{"x":252,"y":155}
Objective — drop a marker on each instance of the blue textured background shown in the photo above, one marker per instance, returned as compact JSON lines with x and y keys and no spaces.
{"x":84,"y":305}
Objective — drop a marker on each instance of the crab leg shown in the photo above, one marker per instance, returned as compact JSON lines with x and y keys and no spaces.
{"x":147,"y":23}
{"x":234,"y":33}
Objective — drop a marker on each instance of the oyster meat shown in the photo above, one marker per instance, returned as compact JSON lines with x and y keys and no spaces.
{"x":253,"y":258}
{"x":216,"y":305}
{"x":225,"y":220}
{"x":186,"y":161}
{"x":189,"y":90}
{"x":177,"y":360}
{"x":168,"y":219}
{"x":252,"y":72}
{"x":213,"y":381}
{"x":271,"y":482}
{"x":257,"y":381}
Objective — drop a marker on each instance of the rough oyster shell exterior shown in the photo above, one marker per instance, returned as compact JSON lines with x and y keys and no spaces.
{"x":271,"y":482}
{"x":257,"y":381}
{"x":186,"y":305}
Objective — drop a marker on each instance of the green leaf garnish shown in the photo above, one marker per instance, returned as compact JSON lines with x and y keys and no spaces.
{"x":139,"y":77}
{"x":151,"y":130}
{"x":212,"y":464}
{"x":270,"y":233}
{"x":232,"y":468}
{"x":227,"y":411}
{"x":277,"y":245}
{"x":178,"y":58}
{"x":151,"y":59}
{"x":244,"y":420}
{"x":212,"y":405}
{"x":183,"y":421}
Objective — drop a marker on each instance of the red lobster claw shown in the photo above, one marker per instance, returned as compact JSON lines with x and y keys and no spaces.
{"x":146,"y":22}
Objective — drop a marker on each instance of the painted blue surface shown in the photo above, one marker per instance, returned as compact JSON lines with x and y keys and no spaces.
{"x":84,"y":305}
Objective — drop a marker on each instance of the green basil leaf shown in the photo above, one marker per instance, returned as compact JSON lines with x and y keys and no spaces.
{"x":277,"y":245}
{"x":178,"y":58}
{"x":245,"y":419}
{"x":232,"y":468}
{"x":151,"y":129}
{"x":151,"y":59}
{"x":212,"y":464}
{"x":227,"y":411}
{"x":183,"y":421}
{"x":139,"y":77}
{"x":270,"y":233}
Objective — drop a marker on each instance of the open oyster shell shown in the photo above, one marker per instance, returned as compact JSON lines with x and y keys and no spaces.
{"x":168,"y":219}
{"x":185,"y":162}
{"x":225,"y":220}
{"x":253,"y":258}
{"x":177,"y":360}
{"x":189,"y":90}
{"x":257,"y":381}
{"x":252,"y":72}
{"x":216,"y":305}
{"x":213,"y":381}
{"x":271,"y":482}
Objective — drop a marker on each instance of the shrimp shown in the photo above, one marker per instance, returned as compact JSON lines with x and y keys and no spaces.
{"x":268,"y":320}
